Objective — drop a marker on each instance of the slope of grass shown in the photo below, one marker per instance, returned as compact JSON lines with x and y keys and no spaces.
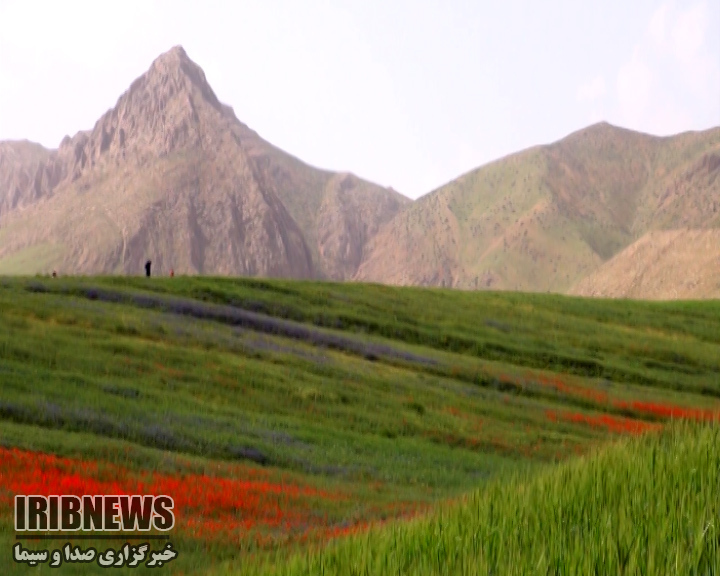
{"x":341,"y":405}
{"x":645,"y":507}
{"x":624,"y":341}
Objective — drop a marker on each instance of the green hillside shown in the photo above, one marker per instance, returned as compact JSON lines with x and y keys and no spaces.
{"x":546,"y":217}
{"x":646,"y":507}
{"x":283,"y":414}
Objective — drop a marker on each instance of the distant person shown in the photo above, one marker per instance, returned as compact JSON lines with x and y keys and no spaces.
{"x":147,"y":268}
{"x":54,"y":274}
{"x":172,"y":272}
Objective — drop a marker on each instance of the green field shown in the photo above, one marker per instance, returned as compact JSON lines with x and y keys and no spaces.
{"x":281,"y":415}
{"x":649,"y":507}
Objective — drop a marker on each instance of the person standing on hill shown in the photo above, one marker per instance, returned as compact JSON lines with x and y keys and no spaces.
{"x":147,"y":268}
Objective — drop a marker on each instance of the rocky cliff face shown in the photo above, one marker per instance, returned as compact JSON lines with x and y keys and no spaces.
{"x":25,"y":174}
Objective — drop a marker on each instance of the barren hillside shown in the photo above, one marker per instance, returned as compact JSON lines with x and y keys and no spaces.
{"x":662,"y":265}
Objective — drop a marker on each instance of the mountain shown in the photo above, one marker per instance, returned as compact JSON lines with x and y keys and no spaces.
{"x":546,"y":218}
{"x":170,"y":174}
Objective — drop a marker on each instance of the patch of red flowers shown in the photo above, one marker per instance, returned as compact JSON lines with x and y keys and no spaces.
{"x":663,"y":410}
{"x":606,"y":421}
{"x":205,"y":506}
{"x":670,"y":411}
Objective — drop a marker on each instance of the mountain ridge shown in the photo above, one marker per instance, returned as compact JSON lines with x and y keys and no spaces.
{"x":169,"y":173}
{"x":545,"y":217}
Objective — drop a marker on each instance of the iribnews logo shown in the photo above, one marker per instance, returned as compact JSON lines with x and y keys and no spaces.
{"x":104,"y":513}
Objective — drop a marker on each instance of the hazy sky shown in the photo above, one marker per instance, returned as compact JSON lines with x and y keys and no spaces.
{"x":406,"y":93}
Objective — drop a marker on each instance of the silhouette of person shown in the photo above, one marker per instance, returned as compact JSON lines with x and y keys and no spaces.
{"x":54,"y":274}
{"x":172,"y":272}
{"x":147,"y":268}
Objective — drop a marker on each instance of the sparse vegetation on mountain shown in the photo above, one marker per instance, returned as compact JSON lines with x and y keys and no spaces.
{"x":547,"y":218}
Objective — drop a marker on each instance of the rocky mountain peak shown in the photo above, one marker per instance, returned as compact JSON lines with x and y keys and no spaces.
{"x":175,"y":67}
{"x":169,"y":108}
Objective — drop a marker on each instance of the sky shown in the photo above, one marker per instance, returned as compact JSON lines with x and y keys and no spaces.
{"x":405,"y":93}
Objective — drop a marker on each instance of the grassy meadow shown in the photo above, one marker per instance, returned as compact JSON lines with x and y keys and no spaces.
{"x":309,"y":428}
